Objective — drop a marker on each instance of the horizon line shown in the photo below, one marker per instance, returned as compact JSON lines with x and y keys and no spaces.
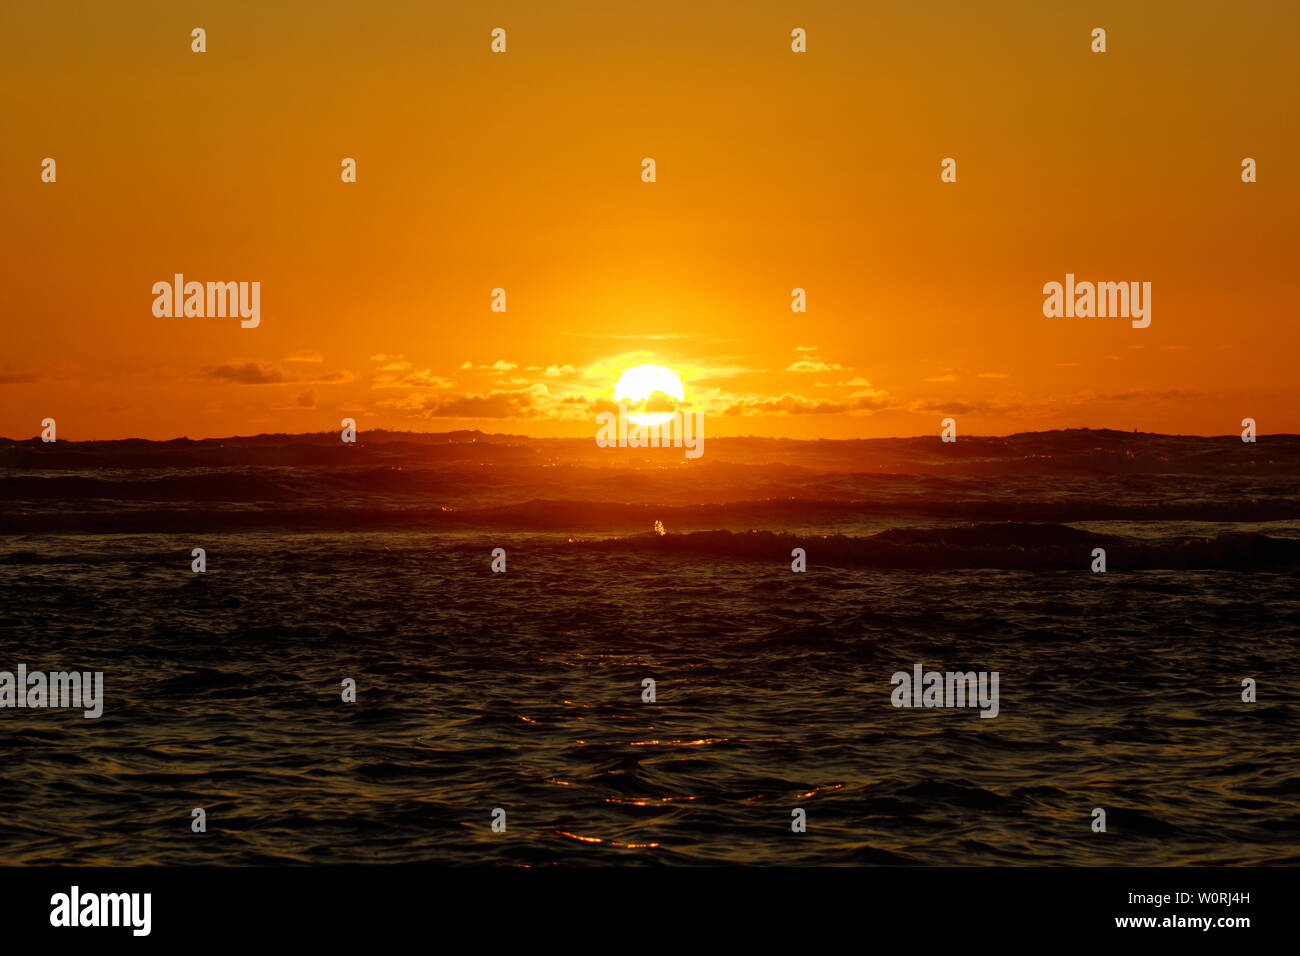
{"x":36,"y":439}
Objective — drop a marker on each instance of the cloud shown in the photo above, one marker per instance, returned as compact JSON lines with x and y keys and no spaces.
{"x":805,"y":348}
{"x":307,"y":355}
{"x":397,"y":372}
{"x":603,"y":373}
{"x":930,"y":406}
{"x":645,"y":337}
{"x":790,"y":404}
{"x":16,"y":378}
{"x":307,"y":399}
{"x":1169,"y":395}
{"x":329,"y":378}
{"x":501,"y":365}
{"x":496,"y":404}
{"x":422,"y":378}
{"x":941,"y":378}
{"x":870,"y":397}
{"x":1057,"y":404}
{"x":247,"y":373}
{"x":814,"y":365}
{"x":267,"y":373}
{"x":944,"y":408}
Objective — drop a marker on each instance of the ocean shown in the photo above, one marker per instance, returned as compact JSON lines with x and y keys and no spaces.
{"x":523,"y":690}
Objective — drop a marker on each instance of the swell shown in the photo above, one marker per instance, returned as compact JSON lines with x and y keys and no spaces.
{"x":139,"y":513}
{"x":1010,"y":546}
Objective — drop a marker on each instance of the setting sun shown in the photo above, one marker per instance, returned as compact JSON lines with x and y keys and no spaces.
{"x":639,"y":386}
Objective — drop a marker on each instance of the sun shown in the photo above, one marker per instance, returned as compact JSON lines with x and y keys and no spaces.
{"x":648,"y":389}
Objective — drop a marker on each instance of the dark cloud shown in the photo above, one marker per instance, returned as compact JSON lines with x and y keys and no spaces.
{"x":501,"y":404}
{"x":787,"y":405}
{"x":263,"y":373}
{"x":247,"y":373}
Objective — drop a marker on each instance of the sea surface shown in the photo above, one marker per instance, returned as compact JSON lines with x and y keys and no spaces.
{"x":522,"y":690}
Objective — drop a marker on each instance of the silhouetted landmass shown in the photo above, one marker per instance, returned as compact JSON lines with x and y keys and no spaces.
{"x":1068,"y":451}
{"x":904,"y":502}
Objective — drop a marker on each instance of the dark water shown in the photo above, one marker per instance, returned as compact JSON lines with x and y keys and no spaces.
{"x":523,"y":690}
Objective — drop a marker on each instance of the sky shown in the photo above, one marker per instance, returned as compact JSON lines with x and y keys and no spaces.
{"x":522,"y":171}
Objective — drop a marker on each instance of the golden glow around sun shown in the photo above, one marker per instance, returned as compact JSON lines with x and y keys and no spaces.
{"x":646,"y":389}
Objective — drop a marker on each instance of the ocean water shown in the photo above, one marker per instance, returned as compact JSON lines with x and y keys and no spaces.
{"x":523,"y":690}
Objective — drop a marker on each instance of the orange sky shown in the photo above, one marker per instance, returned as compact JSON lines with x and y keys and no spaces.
{"x":522,"y":171}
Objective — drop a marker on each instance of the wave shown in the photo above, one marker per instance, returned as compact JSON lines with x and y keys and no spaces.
{"x":1007,"y":546}
{"x":118,"y":513}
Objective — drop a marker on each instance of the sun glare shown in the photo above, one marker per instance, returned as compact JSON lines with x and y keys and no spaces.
{"x":648,"y":390}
